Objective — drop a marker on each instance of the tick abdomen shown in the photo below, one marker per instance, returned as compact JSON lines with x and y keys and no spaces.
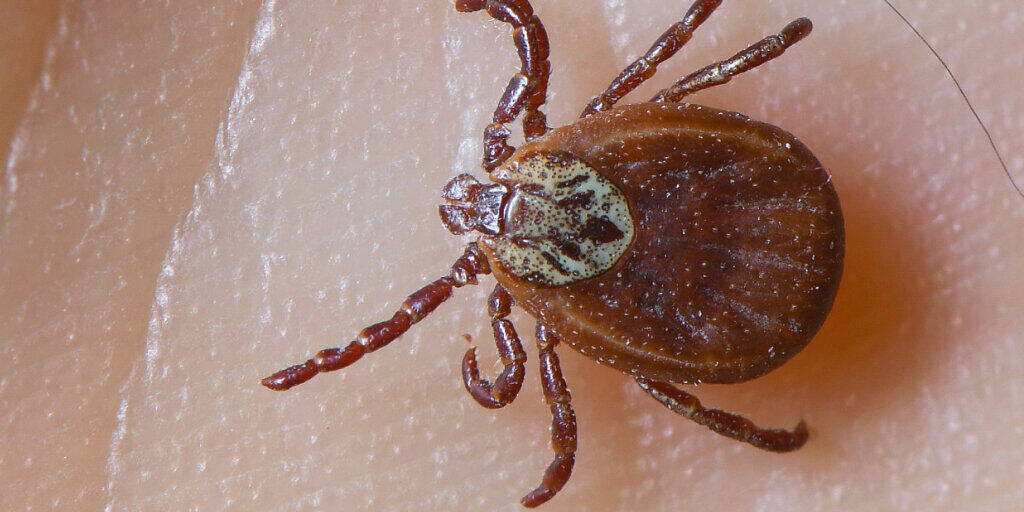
{"x":736,"y":254}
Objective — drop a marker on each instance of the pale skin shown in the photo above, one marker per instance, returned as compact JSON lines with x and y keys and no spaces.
{"x":168,"y":242}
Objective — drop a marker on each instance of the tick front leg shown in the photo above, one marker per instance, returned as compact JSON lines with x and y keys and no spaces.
{"x":415,"y":308}
{"x":643,"y":68}
{"x":723,"y":71}
{"x":727,"y":424}
{"x":527,"y":90}
{"x":563,"y":421}
{"x":510,"y":349}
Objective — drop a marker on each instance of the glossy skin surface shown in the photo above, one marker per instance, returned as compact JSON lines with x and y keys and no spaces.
{"x":738,"y":248}
{"x":918,"y":369}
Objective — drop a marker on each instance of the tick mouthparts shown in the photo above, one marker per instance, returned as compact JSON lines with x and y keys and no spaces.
{"x":471,"y":205}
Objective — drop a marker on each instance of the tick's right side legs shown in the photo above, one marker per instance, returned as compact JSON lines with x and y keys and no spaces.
{"x":527,"y":90}
{"x":563,"y":421}
{"x":643,"y":68}
{"x":510,"y":350}
{"x":724,"y":423}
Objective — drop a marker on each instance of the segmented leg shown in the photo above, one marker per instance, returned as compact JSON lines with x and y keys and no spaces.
{"x":527,"y":90}
{"x":415,"y":308}
{"x":563,"y":421}
{"x":643,"y":68}
{"x":510,"y":349}
{"x":727,"y":424}
{"x":753,"y":56}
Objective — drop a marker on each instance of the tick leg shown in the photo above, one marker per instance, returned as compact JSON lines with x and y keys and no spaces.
{"x":527,"y":90}
{"x":415,"y":308}
{"x":643,"y":68}
{"x":563,"y":421}
{"x":510,"y":349}
{"x":727,"y":424}
{"x":723,"y":71}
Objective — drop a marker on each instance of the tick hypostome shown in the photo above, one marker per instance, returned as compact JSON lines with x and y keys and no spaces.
{"x":674,"y":242}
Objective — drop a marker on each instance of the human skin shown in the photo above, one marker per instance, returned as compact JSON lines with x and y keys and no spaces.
{"x":195,"y":195}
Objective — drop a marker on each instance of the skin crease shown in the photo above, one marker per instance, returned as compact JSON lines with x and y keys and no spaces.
{"x":195,"y":196}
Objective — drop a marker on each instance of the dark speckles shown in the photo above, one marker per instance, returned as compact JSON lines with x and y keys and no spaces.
{"x":570,"y":250}
{"x":601,"y":230}
{"x":573,"y":182}
{"x":553,"y":260}
{"x":581,"y":200}
{"x":535,"y":189}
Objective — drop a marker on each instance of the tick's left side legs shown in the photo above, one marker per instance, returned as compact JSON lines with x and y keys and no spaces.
{"x":377,"y":336}
{"x":563,"y":421}
{"x":723,"y":71}
{"x":527,"y":90}
{"x":725,"y":423}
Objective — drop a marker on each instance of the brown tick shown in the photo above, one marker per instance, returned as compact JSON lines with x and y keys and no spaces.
{"x":674,"y":242}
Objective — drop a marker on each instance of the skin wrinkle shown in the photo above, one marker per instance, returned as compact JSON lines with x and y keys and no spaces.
{"x":31,"y":96}
{"x":176,"y":255}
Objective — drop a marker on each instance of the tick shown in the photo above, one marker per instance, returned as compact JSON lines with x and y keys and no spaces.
{"x":675,"y":242}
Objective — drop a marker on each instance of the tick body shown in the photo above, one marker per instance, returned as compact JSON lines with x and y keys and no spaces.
{"x":674,"y":242}
{"x":735,"y":252}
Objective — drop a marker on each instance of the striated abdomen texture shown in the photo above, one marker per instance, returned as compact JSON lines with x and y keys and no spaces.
{"x":736,"y":255}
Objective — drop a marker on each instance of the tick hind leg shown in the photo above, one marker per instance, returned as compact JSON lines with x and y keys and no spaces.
{"x":527,"y":90}
{"x":563,"y":421}
{"x":723,"y":71}
{"x":510,"y":350}
{"x":727,"y":424}
{"x":415,"y":308}
{"x":643,"y":68}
